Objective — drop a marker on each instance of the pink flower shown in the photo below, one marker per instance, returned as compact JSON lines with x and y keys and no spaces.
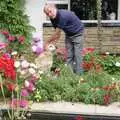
{"x":34,"y":48}
{"x":14,"y":103}
{"x":2,"y":45}
{"x":6,"y":33}
{"x":25,"y":64}
{"x":31,"y":87}
{"x":33,"y":79}
{"x":21,"y":39}
{"x":20,"y":103}
{"x":23,"y":103}
{"x":11,"y":38}
{"x":39,"y":50}
{"x":24,"y":93}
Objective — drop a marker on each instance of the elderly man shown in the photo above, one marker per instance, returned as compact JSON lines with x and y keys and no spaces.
{"x":73,"y":28}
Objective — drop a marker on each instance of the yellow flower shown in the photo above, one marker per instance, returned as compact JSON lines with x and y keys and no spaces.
{"x":16,"y":88}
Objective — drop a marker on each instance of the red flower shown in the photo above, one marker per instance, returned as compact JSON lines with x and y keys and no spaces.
{"x":79,"y":118}
{"x":7,"y":66}
{"x":57,"y":71}
{"x":21,"y":39}
{"x":10,"y":87}
{"x":87,"y":50}
{"x":106,"y":99}
{"x":109,"y":88}
{"x":0,"y":86}
{"x":98,"y":67}
{"x":61,"y":53}
{"x":87,"y":65}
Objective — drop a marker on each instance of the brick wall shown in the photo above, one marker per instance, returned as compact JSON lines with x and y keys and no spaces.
{"x":110,"y":38}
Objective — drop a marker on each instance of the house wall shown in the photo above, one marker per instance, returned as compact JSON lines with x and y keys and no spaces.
{"x":110,"y":35}
{"x":110,"y":38}
{"x":34,"y":9}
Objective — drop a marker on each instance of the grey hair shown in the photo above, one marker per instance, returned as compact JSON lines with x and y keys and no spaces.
{"x":51,"y":5}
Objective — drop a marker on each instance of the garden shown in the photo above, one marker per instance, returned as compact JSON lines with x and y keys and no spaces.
{"x":30,"y":74}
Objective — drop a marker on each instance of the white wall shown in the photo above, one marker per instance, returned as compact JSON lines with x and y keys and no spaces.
{"x":118,"y":9}
{"x":34,"y":9}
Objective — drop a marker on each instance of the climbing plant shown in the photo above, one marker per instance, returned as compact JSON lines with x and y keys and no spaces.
{"x":99,"y":27}
{"x":13,"y":17}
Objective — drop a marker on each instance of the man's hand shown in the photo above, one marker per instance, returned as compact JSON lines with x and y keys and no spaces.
{"x":46,"y":45}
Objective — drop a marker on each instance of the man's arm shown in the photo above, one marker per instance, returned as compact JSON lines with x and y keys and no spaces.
{"x":55,"y":36}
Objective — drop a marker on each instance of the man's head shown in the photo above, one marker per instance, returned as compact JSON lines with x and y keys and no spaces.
{"x":50,"y":10}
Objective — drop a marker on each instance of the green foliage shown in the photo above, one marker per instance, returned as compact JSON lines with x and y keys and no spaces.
{"x":73,"y":88}
{"x":57,"y":61}
{"x":109,"y":64}
{"x":13,"y":19}
{"x":96,"y":86}
{"x":106,"y":61}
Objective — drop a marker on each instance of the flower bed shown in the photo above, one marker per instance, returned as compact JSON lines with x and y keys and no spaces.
{"x":28,"y":77}
{"x":99,"y":84}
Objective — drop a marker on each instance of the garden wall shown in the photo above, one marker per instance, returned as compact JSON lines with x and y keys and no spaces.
{"x":110,"y":38}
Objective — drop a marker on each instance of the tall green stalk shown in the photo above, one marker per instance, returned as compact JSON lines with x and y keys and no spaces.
{"x":4,"y":98}
{"x":99,"y":27}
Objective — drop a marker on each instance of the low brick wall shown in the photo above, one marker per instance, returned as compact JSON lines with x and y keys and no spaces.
{"x":110,"y":38}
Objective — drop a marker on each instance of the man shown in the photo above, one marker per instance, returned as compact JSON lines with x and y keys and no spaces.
{"x":73,"y":28}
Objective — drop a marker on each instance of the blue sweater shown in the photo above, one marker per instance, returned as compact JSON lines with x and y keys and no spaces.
{"x":68,"y":22}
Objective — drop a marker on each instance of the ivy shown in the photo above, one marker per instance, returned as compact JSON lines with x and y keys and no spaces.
{"x":14,"y":19}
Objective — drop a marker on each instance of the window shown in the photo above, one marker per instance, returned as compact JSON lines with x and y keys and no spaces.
{"x":86,"y":9}
{"x":109,"y":9}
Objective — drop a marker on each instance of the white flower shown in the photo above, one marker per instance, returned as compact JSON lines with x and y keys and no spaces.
{"x":107,"y":53}
{"x":17,"y":64}
{"x":31,"y":70}
{"x":66,"y":65}
{"x":33,"y":65}
{"x":24,"y":64}
{"x":14,"y":53}
{"x":34,"y":48}
{"x":113,"y":78}
{"x":41,"y":72}
{"x":117,"y":64}
{"x":27,"y":83}
{"x":51,"y":47}
{"x":22,"y":72}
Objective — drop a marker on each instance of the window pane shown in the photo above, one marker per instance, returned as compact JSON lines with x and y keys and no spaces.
{"x":109,"y":9}
{"x":86,"y":9}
